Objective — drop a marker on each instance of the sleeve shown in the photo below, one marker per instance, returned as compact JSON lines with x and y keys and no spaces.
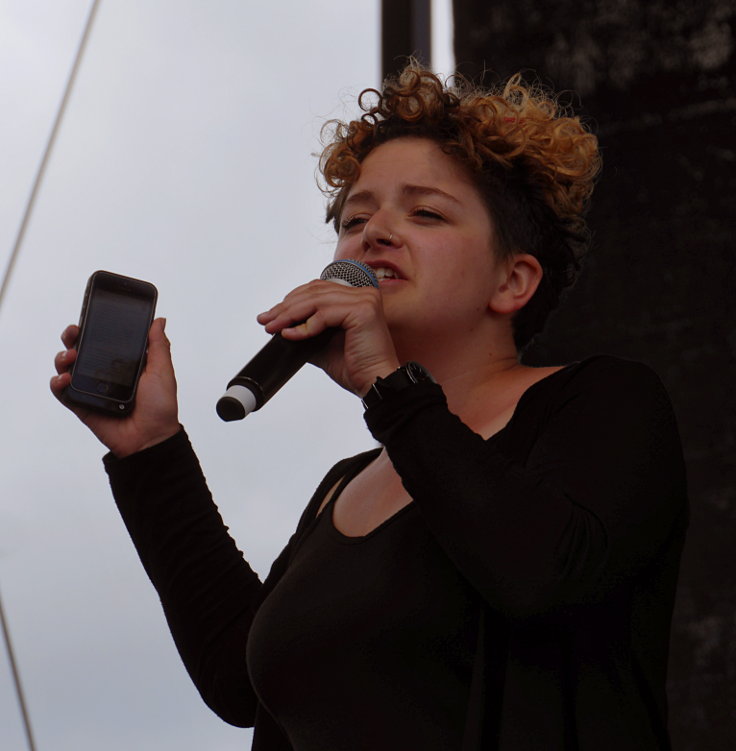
{"x":583,"y":501}
{"x":208,"y":592}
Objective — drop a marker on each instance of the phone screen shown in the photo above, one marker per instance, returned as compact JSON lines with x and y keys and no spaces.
{"x":115,"y":336}
{"x":116,"y":318}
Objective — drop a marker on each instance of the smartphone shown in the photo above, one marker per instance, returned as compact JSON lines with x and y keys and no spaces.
{"x":117,"y":313}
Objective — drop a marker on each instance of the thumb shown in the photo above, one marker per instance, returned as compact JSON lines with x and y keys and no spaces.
{"x":159,"y":346}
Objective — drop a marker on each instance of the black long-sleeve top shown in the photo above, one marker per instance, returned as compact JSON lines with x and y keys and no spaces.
{"x":568,"y":526}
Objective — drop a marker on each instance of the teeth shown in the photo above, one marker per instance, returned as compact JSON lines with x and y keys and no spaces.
{"x":382,"y":273}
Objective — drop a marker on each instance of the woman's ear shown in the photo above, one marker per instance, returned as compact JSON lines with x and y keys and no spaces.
{"x":523,"y":274}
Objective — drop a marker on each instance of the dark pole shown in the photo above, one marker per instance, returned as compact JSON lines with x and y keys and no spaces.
{"x":406,"y":30}
{"x":47,"y":152}
{"x":16,"y":680}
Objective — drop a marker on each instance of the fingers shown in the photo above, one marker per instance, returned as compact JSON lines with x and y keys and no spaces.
{"x":64,"y":360}
{"x":365,"y":348}
{"x":313,"y":307}
{"x":159,"y":348}
{"x":155,"y":415}
{"x":157,"y":336}
{"x":295,"y":308}
{"x":59,"y":383}
{"x":69,"y":336}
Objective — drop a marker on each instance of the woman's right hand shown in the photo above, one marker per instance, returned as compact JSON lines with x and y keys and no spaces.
{"x":155,"y":415}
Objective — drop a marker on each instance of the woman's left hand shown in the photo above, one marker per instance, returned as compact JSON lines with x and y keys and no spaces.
{"x":358,"y":354}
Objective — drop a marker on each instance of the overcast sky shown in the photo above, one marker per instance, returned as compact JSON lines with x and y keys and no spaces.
{"x":185,"y":158}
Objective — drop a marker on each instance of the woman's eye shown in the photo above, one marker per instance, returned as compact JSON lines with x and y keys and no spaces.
{"x":352,"y":221}
{"x":427,"y":214}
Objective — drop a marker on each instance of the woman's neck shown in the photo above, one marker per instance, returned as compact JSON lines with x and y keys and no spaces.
{"x":477,"y":374}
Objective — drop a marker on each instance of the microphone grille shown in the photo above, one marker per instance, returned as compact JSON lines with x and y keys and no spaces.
{"x":350,"y":272}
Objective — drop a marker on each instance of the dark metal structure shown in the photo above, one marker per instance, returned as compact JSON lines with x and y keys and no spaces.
{"x":657,"y":82}
{"x":406,"y":30}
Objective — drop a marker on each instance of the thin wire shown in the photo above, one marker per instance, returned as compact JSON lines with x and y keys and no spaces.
{"x":6,"y":281}
{"x":49,"y":145}
{"x":16,"y":679}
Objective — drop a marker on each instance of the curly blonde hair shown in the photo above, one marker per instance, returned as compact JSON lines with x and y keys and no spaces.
{"x":534,"y":163}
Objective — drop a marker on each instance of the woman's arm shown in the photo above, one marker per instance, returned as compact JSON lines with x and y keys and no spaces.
{"x":583,"y":490}
{"x":208,"y":592}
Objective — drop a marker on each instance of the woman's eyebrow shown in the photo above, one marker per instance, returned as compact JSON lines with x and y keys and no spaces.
{"x":363,"y":196}
{"x":367,"y":196}
{"x":425,"y":190}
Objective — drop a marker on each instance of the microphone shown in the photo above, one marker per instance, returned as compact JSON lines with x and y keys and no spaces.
{"x":280,"y":358}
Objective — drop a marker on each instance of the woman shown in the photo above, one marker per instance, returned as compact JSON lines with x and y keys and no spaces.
{"x":501,"y":573}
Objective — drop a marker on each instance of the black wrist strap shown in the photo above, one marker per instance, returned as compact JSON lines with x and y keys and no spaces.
{"x":402,"y":378}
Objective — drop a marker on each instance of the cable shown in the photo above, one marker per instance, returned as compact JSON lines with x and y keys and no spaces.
{"x":16,"y":679}
{"x":49,"y":145}
{"x":6,"y":281}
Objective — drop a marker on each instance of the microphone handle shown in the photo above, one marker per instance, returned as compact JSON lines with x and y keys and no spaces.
{"x":270,"y":369}
{"x":277,"y":362}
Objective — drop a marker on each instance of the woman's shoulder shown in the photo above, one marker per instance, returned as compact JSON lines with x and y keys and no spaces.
{"x":603,"y":379}
{"x":600,"y":406}
{"x":600,"y":369}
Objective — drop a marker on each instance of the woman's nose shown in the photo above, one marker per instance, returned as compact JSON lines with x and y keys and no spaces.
{"x":378,"y":235}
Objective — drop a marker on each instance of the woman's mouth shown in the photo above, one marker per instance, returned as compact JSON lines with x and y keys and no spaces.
{"x":385,"y":273}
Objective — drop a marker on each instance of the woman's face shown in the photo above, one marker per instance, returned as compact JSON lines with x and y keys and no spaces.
{"x":415,"y":217}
